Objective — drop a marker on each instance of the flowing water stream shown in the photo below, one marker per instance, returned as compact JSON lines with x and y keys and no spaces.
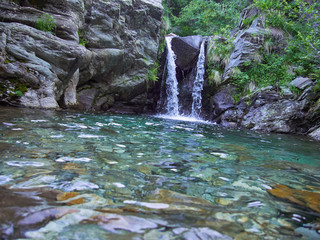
{"x":172,"y":105}
{"x":198,"y":84}
{"x":66,"y":175}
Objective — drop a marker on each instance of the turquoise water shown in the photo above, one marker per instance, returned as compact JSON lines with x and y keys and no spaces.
{"x":144,"y":177}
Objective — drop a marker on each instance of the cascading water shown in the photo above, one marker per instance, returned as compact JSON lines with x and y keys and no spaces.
{"x":171,"y":82}
{"x":171,"y":85}
{"x":198,"y":84}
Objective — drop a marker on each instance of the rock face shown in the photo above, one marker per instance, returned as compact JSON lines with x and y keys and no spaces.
{"x":247,"y":42}
{"x":99,"y":54}
{"x":269,"y":111}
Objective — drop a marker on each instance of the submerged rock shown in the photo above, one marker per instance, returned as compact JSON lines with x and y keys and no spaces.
{"x":301,"y":197}
{"x":203,"y":234}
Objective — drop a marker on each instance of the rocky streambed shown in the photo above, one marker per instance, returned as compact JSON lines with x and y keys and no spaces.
{"x":69,"y":175}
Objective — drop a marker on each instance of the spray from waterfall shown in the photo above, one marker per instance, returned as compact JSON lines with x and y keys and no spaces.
{"x":198,"y":84}
{"x":171,"y":82}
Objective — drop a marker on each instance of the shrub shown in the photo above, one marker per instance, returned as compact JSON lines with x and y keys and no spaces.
{"x":273,"y":71}
{"x":46,"y":23}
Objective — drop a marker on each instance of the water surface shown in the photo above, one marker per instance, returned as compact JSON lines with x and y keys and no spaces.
{"x":66,"y":175}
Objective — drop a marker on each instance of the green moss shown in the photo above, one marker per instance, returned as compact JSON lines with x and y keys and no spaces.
{"x":7,"y":61}
{"x":14,"y":88}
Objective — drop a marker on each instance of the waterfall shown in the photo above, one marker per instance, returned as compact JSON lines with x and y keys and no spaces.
{"x":171,"y":82}
{"x":198,"y":84}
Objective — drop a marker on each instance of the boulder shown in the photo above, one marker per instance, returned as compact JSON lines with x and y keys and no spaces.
{"x":301,"y":83}
{"x":272,"y":115}
{"x":186,"y":50}
{"x":222,"y":101}
{"x":315,"y":134}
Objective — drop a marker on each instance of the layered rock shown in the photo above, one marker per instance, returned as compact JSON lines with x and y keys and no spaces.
{"x":247,"y":41}
{"x":268,"y":110}
{"x":40,"y":69}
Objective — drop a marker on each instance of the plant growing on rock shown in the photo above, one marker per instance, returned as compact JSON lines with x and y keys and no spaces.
{"x":46,"y":23}
{"x":153,"y":73}
{"x":82,"y":41}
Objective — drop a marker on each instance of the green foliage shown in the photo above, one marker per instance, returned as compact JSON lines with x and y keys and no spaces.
{"x":204,"y":17}
{"x":18,"y":93}
{"x":46,"y":23}
{"x":316,"y":88}
{"x":13,"y":88}
{"x":219,"y":52}
{"x":300,"y":21}
{"x":153,"y":73}
{"x":273,"y":71}
{"x":82,"y":41}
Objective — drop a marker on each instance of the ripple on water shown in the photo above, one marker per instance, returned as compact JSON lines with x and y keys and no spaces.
{"x":73,"y":159}
{"x":25,"y":164}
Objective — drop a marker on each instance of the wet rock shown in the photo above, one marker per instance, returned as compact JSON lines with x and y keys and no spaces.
{"x":80,"y":169}
{"x":166,"y":201}
{"x":156,"y":234}
{"x":44,"y":216}
{"x":308,"y":232}
{"x":187,"y":51}
{"x":171,"y":197}
{"x":23,"y":208}
{"x":66,"y":195}
{"x":39,"y":181}
{"x":222,"y":101}
{"x":78,"y":185}
{"x":278,"y":116}
{"x":315,"y":134}
{"x":203,"y":234}
{"x":246,"y":236}
{"x":301,"y":197}
{"x":82,"y":200}
{"x":113,"y":222}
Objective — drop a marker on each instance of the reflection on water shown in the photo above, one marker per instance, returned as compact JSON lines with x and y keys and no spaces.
{"x":70,"y":176}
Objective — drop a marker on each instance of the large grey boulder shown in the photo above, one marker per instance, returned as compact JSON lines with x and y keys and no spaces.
{"x":273,"y":117}
{"x":186,"y":50}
